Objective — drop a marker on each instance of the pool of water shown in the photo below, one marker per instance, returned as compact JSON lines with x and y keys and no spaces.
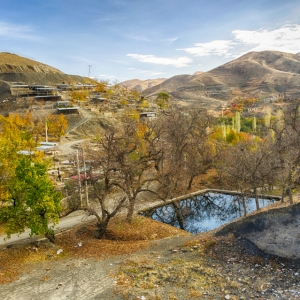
{"x":204,"y":212}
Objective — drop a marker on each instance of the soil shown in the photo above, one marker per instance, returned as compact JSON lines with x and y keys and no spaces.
{"x":179,"y":266}
{"x":175,"y":268}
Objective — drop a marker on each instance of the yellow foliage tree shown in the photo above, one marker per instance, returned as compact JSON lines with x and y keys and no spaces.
{"x":80,"y":95}
{"x":101,"y":87}
{"x":132,"y":114}
{"x":57,"y":125}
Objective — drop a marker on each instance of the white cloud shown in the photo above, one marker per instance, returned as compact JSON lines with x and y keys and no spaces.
{"x":17,"y":31}
{"x":175,"y":62}
{"x":171,"y":40}
{"x":285,"y":39}
{"x":216,"y":47}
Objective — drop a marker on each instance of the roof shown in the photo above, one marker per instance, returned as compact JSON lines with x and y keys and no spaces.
{"x":47,"y":96}
{"x":68,"y":108}
{"x":25,"y":152}
{"x":148,"y":113}
{"x":45,"y":148}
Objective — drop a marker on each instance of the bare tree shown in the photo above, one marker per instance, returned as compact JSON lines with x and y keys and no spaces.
{"x":187,"y":151}
{"x":124,"y":160}
{"x":250,"y":165}
{"x":104,"y":187}
{"x":287,"y":144}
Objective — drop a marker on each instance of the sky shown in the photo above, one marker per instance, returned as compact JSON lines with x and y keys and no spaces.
{"x":118,"y":40}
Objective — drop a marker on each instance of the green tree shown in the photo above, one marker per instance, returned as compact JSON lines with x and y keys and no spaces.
{"x":162,"y":100}
{"x":31,"y":200}
{"x":27,"y":197}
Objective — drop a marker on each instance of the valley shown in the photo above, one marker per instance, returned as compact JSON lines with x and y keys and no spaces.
{"x":124,"y":146}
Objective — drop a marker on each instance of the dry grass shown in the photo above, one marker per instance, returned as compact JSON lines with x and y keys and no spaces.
{"x":122,"y":238}
{"x":15,"y":260}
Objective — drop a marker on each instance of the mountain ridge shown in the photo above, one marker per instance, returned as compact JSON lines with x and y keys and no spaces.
{"x":272,"y":73}
{"x":269,"y":72}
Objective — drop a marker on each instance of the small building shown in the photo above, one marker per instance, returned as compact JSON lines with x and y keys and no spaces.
{"x":148,"y":114}
{"x":98,"y":99}
{"x":83,"y":86}
{"x":66,"y":107}
{"x":64,"y":87}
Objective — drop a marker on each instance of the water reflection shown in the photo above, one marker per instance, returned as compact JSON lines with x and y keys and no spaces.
{"x":204,"y":212}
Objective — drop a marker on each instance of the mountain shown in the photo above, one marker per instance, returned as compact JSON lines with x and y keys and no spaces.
{"x":272,"y":69}
{"x":12,"y":63}
{"x":256,"y":74}
{"x":141,"y":85}
{"x":268,"y":72}
{"x":18,"y":69}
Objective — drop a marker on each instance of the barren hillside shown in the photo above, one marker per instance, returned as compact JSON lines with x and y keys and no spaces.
{"x":141,"y":85}
{"x":12,"y":63}
{"x":14,"y":68}
{"x":270,"y":72}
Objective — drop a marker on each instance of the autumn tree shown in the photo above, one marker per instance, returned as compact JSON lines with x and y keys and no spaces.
{"x":79,"y":95}
{"x":57,"y":125}
{"x":135,"y":154}
{"x":249,"y":166}
{"x":287,"y":136}
{"x":187,"y":149}
{"x":101,"y":86}
{"x":28,"y":198}
{"x":104,"y":188}
{"x":162,"y":100}
{"x":125,"y":159}
{"x":31,"y":200}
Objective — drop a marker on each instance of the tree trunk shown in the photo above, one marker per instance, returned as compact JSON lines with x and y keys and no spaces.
{"x":102,"y":227}
{"x":190,"y":183}
{"x":256,"y":200}
{"x":179,"y":215}
{"x":283,"y":194}
{"x":50,"y":236}
{"x":130,"y":210}
{"x":244,"y":205}
{"x":290,"y":195}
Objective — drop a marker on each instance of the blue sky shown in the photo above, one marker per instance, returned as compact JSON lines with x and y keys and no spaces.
{"x":127,"y":39}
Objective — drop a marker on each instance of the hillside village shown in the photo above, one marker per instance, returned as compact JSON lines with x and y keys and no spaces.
{"x":102,"y":141}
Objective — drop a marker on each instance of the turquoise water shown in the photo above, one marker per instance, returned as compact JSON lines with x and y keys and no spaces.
{"x":204,"y":212}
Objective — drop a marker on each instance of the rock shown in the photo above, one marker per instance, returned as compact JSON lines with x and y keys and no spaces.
{"x":59,"y":251}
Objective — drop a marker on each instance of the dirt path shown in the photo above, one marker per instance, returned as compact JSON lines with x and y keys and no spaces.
{"x":64,"y":279}
{"x":172,"y":268}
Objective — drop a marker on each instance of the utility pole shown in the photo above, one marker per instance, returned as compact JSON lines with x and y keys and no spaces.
{"x":89,"y":71}
{"x":79,"y":178}
{"x":46,"y":130}
{"x":85,"y":180}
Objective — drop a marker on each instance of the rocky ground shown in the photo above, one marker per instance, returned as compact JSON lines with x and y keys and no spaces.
{"x":166,"y":264}
{"x":209,"y":268}
{"x":202,"y":267}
